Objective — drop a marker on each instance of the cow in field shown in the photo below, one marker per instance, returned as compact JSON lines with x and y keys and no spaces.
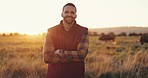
{"x":144,"y":39}
{"x":108,"y":37}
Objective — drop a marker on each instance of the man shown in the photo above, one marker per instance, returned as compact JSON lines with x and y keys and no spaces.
{"x":66,"y":46}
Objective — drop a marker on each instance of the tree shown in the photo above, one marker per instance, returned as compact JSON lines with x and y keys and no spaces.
{"x":123,"y":34}
{"x":3,"y":34}
{"x":11,"y":34}
{"x":16,"y":34}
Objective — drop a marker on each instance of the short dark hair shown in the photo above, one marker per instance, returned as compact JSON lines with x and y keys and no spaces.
{"x":70,"y":4}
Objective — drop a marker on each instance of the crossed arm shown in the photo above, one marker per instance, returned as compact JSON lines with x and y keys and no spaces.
{"x":60,"y":55}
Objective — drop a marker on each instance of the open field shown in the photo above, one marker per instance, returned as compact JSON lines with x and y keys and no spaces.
{"x":21,"y":57}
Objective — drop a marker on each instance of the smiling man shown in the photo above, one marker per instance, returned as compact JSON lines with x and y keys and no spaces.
{"x":66,"y":46}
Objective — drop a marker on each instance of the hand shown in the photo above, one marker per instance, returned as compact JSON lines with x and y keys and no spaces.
{"x":57,"y":51}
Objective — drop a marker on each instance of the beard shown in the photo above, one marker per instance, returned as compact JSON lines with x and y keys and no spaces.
{"x":69,"y":20}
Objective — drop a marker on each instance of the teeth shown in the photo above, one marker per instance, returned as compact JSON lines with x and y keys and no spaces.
{"x":69,"y":17}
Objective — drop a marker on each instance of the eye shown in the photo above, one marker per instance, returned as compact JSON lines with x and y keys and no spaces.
{"x":72,"y":12}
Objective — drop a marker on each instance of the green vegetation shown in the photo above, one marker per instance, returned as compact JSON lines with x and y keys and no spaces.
{"x":21,"y":57}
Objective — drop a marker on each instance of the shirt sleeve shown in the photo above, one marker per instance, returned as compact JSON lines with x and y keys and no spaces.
{"x":48,"y":51}
{"x":82,"y":50}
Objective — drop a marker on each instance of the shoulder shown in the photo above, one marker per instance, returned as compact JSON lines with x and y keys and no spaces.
{"x":82,"y":27}
{"x":52,"y":28}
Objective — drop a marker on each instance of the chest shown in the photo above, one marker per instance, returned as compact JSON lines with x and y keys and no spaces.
{"x":67,"y":40}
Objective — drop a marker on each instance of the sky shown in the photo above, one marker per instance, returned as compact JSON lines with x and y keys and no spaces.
{"x":36,"y":16}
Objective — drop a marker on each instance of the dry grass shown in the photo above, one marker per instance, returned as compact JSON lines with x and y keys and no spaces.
{"x":21,"y":57}
{"x":126,"y":59}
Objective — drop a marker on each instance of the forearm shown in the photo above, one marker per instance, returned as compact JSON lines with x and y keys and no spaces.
{"x":77,"y":55}
{"x":49,"y":57}
{"x":80,"y":54}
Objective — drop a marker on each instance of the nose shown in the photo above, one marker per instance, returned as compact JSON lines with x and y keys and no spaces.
{"x":69,"y":14}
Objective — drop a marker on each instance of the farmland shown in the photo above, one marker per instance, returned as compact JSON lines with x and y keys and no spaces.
{"x":21,"y":57}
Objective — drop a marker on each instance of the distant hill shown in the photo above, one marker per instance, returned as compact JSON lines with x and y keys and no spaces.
{"x":118,"y":30}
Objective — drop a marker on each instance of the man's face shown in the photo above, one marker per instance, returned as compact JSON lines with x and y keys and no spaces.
{"x":69,"y":14}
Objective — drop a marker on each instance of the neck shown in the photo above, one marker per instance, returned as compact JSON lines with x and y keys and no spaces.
{"x":67,"y":26}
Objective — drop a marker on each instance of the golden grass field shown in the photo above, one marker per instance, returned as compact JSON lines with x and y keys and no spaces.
{"x":21,"y":57}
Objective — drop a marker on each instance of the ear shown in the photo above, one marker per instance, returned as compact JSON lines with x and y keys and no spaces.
{"x":76,"y":16}
{"x":62,"y":14}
